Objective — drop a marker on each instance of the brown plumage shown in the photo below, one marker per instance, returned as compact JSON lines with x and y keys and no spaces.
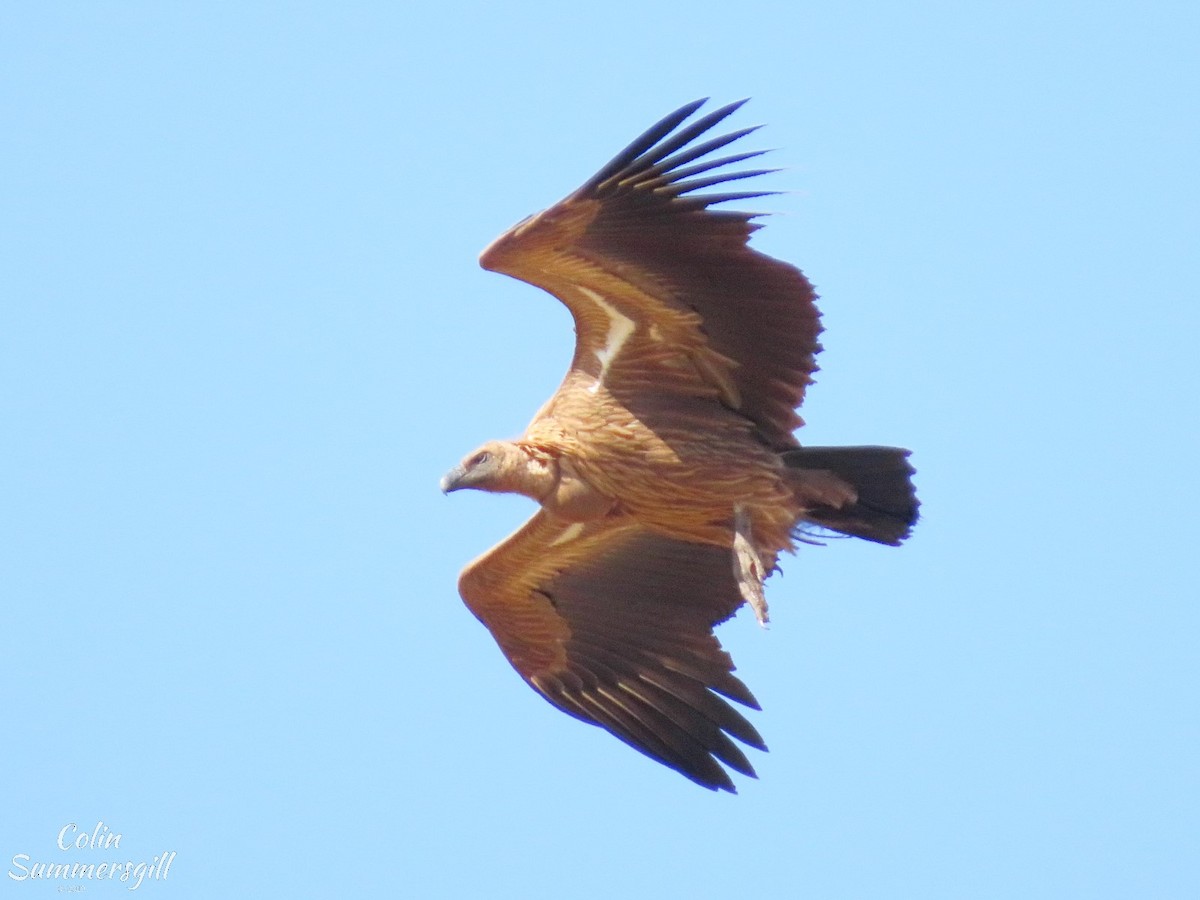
{"x":665,"y":465}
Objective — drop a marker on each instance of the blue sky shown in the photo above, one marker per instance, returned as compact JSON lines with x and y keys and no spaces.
{"x":243,"y":333}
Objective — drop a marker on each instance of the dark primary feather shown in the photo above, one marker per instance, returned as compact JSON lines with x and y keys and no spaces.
{"x":647,"y":163}
{"x":668,"y":174}
{"x":662,"y":151}
{"x":695,"y":184}
{"x":644,"y":142}
{"x":696,"y":152}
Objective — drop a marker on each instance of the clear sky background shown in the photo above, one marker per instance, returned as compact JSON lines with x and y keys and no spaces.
{"x":243,"y":333}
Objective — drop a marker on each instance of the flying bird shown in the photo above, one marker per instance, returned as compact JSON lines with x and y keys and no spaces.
{"x":667,"y":472}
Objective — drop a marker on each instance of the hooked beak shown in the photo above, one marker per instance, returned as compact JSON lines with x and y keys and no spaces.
{"x":452,"y":480}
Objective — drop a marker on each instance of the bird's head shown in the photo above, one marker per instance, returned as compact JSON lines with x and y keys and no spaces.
{"x":501,"y":467}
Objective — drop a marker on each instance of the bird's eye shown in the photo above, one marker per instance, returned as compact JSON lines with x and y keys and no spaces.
{"x":481,"y":458}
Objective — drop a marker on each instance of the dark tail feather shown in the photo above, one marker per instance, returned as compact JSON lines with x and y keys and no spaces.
{"x":886,"y":505}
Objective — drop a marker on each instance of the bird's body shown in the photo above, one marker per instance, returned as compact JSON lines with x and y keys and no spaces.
{"x":659,"y":474}
{"x":667,"y":451}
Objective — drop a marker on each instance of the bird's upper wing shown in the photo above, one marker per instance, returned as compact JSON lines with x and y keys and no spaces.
{"x":666,"y":293}
{"x":613,"y":624}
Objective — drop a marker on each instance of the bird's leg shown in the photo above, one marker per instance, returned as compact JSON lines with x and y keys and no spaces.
{"x":747,"y":565}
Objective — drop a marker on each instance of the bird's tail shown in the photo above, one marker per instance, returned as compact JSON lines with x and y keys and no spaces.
{"x":864,"y":492}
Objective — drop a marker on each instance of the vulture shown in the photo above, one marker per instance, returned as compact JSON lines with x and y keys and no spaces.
{"x":666,"y":468}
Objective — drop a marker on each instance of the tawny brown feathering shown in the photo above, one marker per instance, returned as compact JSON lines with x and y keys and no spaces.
{"x":665,"y":465}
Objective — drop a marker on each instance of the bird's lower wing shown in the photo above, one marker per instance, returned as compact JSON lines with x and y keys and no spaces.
{"x":613,"y":624}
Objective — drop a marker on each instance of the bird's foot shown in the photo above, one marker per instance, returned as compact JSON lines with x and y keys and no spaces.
{"x":747,"y":565}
